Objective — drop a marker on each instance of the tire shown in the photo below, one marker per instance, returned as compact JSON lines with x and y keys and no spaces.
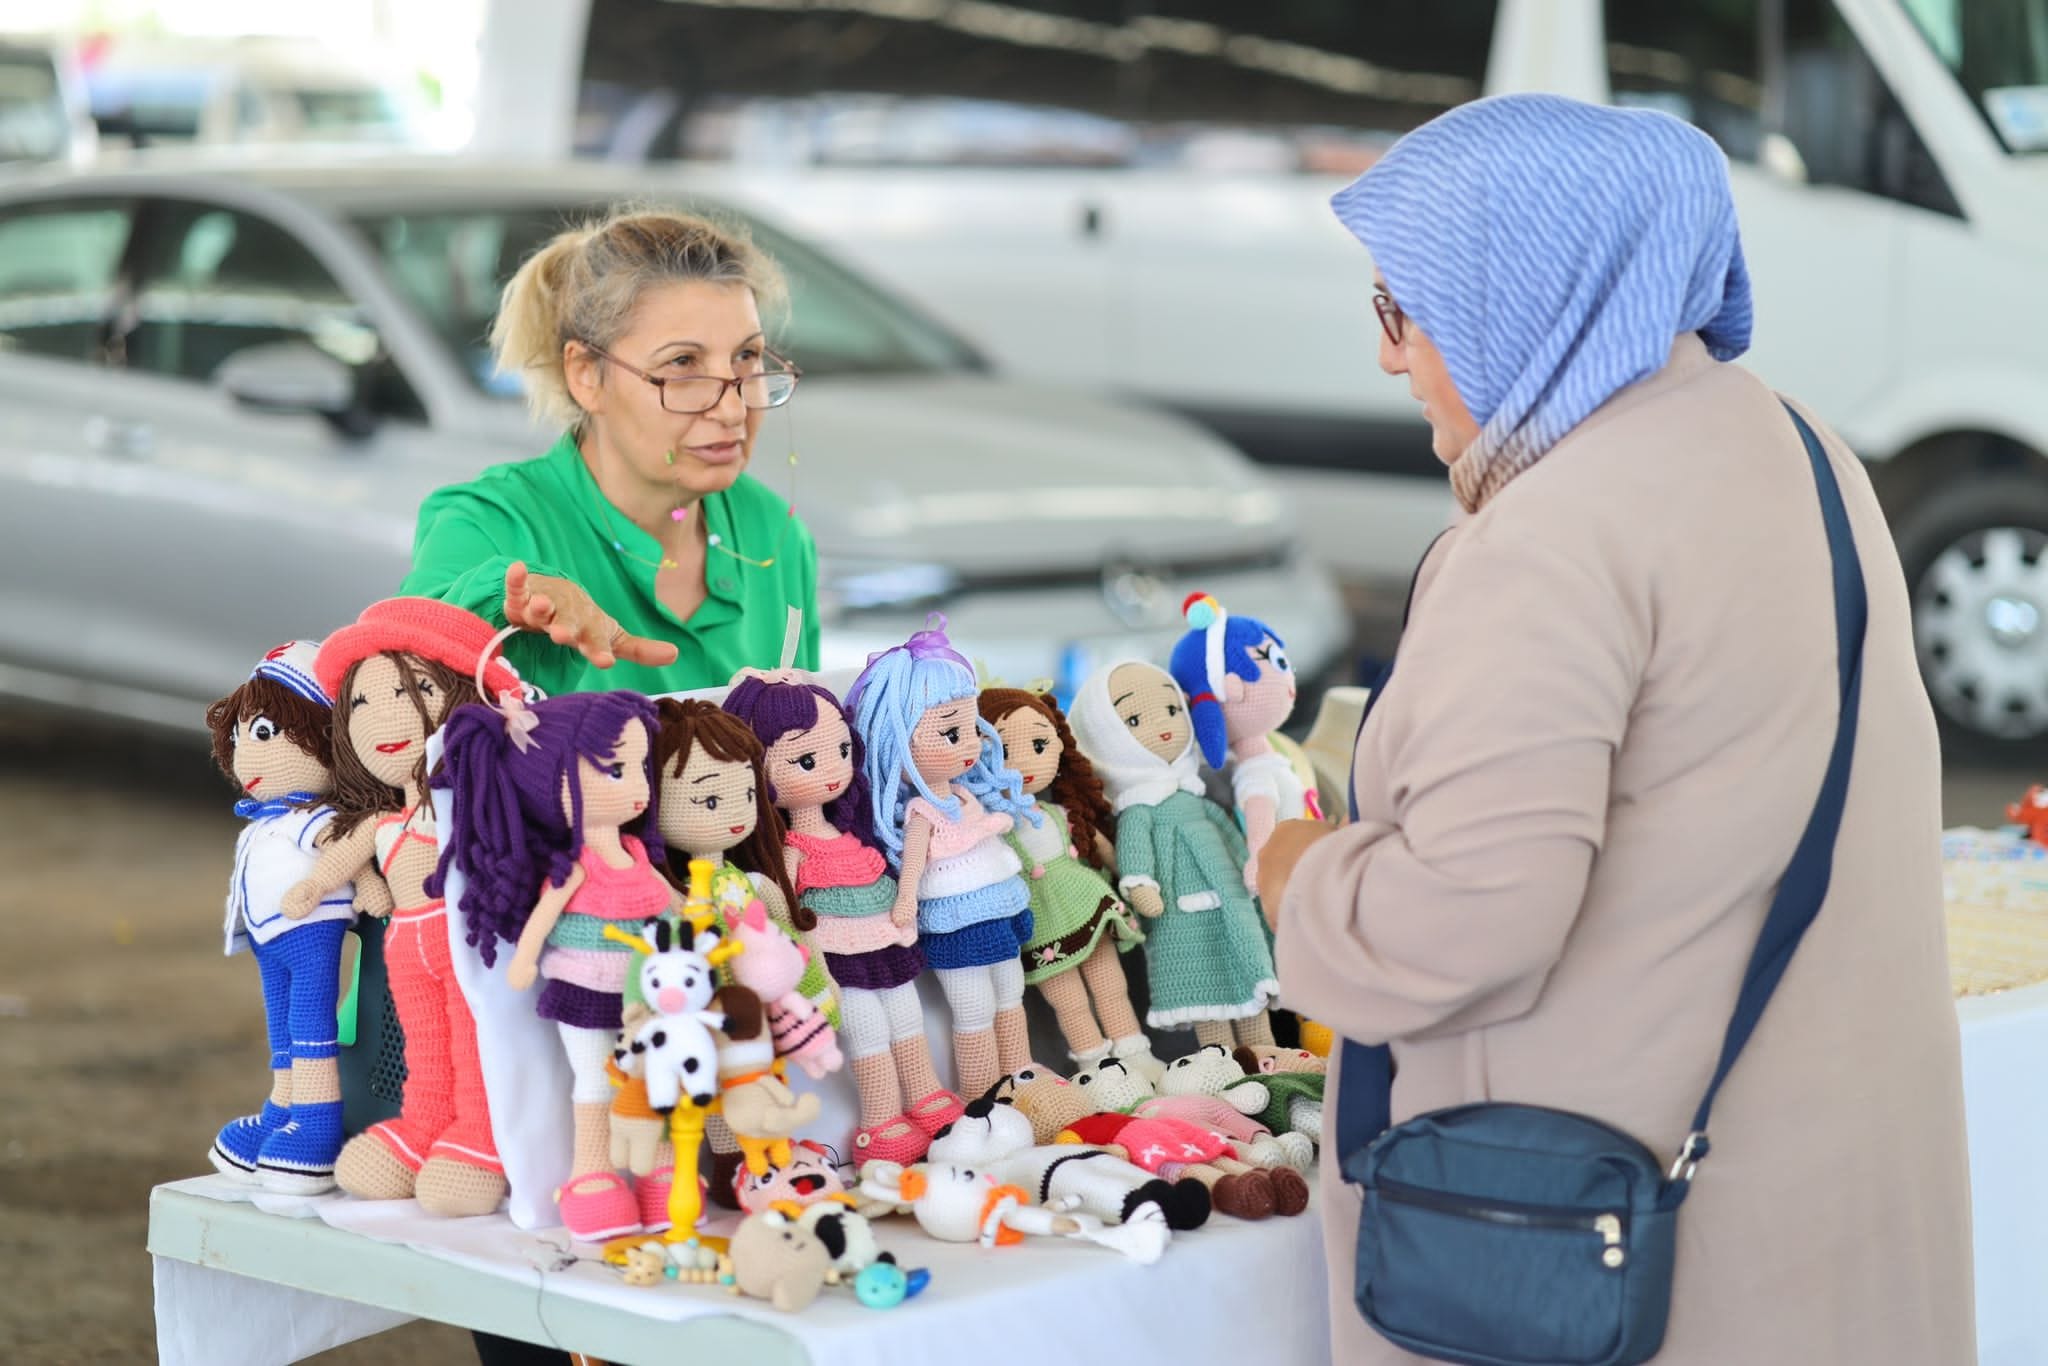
{"x":1976,"y":562}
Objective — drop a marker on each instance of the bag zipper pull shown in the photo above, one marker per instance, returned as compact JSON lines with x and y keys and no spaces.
{"x":1608,"y":1226}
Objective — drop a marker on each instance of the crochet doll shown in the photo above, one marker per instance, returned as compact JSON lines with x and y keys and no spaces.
{"x":942,"y":799}
{"x":1078,"y":924}
{"x":557,"y":835}
{"x":274,"y":739}
{"x":1208,"y":957}
{"x":813,"y":766}
{"x":395,"y":675}
{"x":1241,"y":689}
{"x":715,"y":808}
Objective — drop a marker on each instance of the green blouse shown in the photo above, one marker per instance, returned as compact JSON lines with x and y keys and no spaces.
{"x":548,"y":512}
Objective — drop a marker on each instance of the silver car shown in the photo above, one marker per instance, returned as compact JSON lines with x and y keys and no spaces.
{"x":226,"y":391}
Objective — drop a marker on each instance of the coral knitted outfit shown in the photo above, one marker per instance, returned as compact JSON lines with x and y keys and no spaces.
{"x":445,"y":1112}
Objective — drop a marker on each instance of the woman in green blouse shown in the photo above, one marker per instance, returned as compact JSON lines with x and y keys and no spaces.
{"x":638,"y":542}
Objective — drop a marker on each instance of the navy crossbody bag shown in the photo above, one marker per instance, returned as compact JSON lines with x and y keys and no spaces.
{"x":1514,"y":1235}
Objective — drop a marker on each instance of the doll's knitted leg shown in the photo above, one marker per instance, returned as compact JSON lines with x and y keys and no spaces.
{"x":1068,"y":996}
{"x":971,"y":994}
{"x":864,"y":1030}
{"x":240,"y":1141}
{"x":1105,"y":978}
{"x":300,"y":1156}
{"x":417,"y":996}
{"x":467,"y":1136}
{"x":1255,"y":1029}
{"x":591,"y":1093}
{"x":1214,"y":1031}
{"x":928,"y":1105}
{"x":1013,"y":1035}
{"x":1244,"y":1194}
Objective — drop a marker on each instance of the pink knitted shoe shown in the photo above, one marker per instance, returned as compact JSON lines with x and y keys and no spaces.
{"x":652,"y":1192}
{"x":935,"y":1111}
{"x":598,"y":1206}
{"x":893,"y":1140}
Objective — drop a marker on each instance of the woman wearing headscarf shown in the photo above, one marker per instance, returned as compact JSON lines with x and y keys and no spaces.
{"x":1605,"y":732}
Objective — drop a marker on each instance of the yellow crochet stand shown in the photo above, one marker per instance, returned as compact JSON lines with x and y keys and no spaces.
{"x":685,"y":1201}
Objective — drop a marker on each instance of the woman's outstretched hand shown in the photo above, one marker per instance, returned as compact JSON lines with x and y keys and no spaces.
{"x":568,"y":616}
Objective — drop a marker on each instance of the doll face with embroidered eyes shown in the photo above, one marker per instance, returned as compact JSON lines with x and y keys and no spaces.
{"x":1259,"y":706}
{"x":1152,"y":708}
{"x":1032,"y":747}
{"x":812,"y":767}
{"x":268,"y":765}
{"x":945,"y":743}
{"x":710,"y":806}
{"x":384,"y":725}
{"x":614,"y":788}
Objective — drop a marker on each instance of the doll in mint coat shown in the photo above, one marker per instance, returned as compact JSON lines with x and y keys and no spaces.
{"x":1180,"y":859}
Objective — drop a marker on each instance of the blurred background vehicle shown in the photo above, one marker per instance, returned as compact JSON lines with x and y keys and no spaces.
{"x":251,"y":91}
{"x":228,"y":391}
{"x":44,"y":111}
{"x":1135,"y":198}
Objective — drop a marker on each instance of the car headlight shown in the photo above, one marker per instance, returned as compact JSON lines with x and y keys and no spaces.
{"x":848,"y":587}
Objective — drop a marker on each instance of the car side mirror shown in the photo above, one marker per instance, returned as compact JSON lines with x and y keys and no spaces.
{"x":288,"y":377}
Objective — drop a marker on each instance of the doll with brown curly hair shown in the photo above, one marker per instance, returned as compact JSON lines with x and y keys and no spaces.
{"x":1079,"y":924}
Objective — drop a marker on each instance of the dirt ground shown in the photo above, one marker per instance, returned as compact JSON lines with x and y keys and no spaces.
{"x":126,"y":1038}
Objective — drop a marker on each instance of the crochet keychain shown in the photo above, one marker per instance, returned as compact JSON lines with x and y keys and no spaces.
{"x":273,"y":737}
{"x":715,"y":810}
{"x":813,"y":761}
{"x":557,"y":838}
{"x":395,"y":675}
{"x":942,"y":799}
{"x":1079,"y":925}
{"x":1208,"y":954}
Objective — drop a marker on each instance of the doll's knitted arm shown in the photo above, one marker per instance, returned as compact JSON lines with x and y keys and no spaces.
{"x":1226,"y":825}
{"x":373,"y":894}
{"x":341,"y":861}
{"x":1137,"y":875}
{"x":1105,"y":854}
{"x":917,"y":844}
{"x":526,"y":959}
{"x":1260,"y":812}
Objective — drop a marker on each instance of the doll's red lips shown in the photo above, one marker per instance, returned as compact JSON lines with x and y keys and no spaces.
{"x":639,"y":806}
{"x":737,"y":830}
{"x":1166,"y":735}
{"x":831,"y":787}
{"x":250,"y":786}
{"x":393,"y":746}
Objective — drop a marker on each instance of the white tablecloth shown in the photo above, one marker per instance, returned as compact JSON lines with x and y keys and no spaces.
{"x":1227,"y":1292}
{"x":2005,"y":1088}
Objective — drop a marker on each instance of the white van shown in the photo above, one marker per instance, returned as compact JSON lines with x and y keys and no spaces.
{"x":1890,"y":161}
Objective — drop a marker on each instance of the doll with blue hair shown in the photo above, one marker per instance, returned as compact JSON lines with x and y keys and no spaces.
{"x":942,"y":797}
{"x":558,"y":836}
{"x":1241,"y":688}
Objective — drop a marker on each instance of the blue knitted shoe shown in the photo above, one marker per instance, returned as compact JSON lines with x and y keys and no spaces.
{"x":236,"y":1146}
{"x":299,"y":1158}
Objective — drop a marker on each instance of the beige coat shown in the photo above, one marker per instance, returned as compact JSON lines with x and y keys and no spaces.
{"x":1611,"y":713}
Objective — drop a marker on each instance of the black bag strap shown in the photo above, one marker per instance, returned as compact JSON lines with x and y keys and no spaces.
{"x":1363,"y":1103}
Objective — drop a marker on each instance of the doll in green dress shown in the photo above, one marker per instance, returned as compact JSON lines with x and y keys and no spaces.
{"x":1208,"y":956}
{"x":1079,"y":924}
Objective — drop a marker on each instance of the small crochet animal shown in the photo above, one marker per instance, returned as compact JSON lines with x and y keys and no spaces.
{"x":846,"y":1234}
{"x":771,"y":967}
{"x":775,"y":1258}
{"x":958,"y":1204}
{"x":995,"y":1135}
{"x":1175,"y":1145}
{"x":1256,"y":1058}
{"x":809,"y":1176}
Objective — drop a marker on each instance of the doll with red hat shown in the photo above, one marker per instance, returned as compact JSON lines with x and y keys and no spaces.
{"x":395,"y":675}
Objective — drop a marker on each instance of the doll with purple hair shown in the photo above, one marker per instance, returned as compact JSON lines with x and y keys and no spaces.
{"x":557,"y":834}
{"x":813,"y":767}
{"x":942,"y":797}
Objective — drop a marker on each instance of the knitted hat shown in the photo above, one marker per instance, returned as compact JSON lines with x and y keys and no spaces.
{"x":1206,"y":615}
{"x":292,"y":665}
{"x":426,"y":627}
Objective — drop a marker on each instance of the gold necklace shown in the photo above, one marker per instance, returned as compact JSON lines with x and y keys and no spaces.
{"x":713,"y":541}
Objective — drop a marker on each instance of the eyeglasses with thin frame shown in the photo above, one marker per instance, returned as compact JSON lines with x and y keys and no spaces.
{"x":688,"y":395}
{"x":1392,"y":320}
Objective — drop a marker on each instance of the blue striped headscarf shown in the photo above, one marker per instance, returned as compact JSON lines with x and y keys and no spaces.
{"x":1553,"y":251}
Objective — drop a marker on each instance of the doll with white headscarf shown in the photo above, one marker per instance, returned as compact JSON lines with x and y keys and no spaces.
{"x":1180,"y":857}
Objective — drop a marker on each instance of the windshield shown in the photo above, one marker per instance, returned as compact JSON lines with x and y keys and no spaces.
{"x":34,"y":124}
{"x":1998,"y":50}
{"x":452,"y":264}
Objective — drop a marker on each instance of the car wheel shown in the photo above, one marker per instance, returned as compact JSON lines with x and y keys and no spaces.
{"x":1976,"y":562}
